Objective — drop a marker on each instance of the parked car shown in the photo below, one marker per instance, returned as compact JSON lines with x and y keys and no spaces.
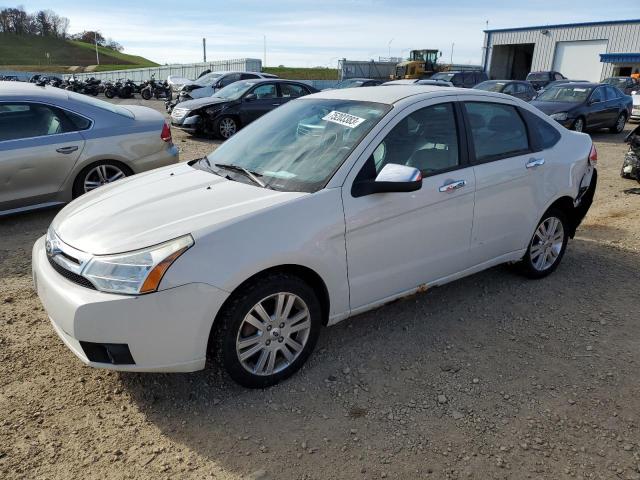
{"x":635,"y":112}
{"x":586,"y":106}
{"x":331,"y":205}
{"x":515,"y":88}
{"x":627,"y":85}
{"x":235,"y":106}
{"x":356,"y":82}
{"x":56,"y":145}
{"x":435,"y":83}
{"x":540,"y":80}
{"x":463,"y":79}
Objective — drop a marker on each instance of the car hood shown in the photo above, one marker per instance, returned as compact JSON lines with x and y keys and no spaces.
{"x":177,"y":81}
{"x":159,"y":205}
{"x":554,"y":107}
{"x":202,"y":102}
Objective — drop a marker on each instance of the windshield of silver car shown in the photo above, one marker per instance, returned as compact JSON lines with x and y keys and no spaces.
{"x":298,"y":146}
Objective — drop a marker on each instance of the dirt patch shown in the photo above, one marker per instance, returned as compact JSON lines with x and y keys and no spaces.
{"x":493,"y":376}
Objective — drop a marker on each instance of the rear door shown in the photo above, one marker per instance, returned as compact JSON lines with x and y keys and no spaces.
{"x":507,"y":182}
{"x":613,"y":105}
{"x":39,"y":145}
{"x":289,"y":91}
{"x":597,"y":109}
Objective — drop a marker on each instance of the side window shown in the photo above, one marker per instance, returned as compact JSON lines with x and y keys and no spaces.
{"x":543,"y":135}
{"x":597,"y":95}
{"x":28,"y":120}
{"x":558,"y":76}
{"x":469,"y":79}
{"x":497,"y":130}
{"x":265,"y":91}
{"x":510,"y":89}
{"x":292,"y":90}
{"x":248,"y":76}
{"x":426,"y":139}
{"x":457,"y":80}
{"x":612,"y":93}
{"x":229,"y":79}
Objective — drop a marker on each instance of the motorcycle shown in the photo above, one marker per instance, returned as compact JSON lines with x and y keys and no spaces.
{"x":121,"y":88}
{"x":151,"y":88}
{"x":631,"y":163}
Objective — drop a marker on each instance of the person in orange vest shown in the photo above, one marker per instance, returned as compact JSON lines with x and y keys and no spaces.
{"x":636,"y":75}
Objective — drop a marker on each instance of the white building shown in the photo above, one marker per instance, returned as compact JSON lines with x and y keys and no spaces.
{"x":580,"y":51}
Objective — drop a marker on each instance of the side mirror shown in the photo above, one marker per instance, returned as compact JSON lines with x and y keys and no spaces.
{"x":392,"y":178}
{"x":251,"y":97}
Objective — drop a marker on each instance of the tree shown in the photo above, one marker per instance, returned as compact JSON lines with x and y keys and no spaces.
{"x":113,"y":45}
{"x":89,"y":36}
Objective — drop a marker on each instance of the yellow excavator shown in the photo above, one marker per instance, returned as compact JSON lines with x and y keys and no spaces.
{"x":421,"y":64}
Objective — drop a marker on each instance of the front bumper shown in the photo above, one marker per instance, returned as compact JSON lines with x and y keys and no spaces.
{"x":635,"y":114}
{"x":189,"y":124}
{"x":165,"y":331}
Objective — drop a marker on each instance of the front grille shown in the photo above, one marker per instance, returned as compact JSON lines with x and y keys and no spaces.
{"x":72,"y":277}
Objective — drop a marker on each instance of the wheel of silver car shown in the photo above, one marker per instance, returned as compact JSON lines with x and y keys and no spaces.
{"x":273,"y":334}
{"x":620,"y":123}
{"x":97,"y":175}
{"x":267,"y":329}
{"x":578,"y":125}
{"x":547,"y":246}
{"x":227,"y":127}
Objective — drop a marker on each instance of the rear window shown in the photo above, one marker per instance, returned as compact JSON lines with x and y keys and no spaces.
{"x":102,"y":105}
{"x":543,"y":135}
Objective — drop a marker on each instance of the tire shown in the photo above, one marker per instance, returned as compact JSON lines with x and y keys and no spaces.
{"x":109,"y":93}
{"x":255,"y":357}
{"x":534,"y":264}
{"x":578,"y":124}
{"x":108,"y":170}
{"x":621,"y":121}
{"x":226,"y":127}
{"x":146,"y":94}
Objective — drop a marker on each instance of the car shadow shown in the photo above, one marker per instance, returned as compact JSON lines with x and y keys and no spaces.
{"x":604,"y":136}
{"x":442,"y":356}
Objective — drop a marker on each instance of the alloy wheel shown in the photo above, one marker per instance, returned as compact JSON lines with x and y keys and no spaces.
{"x":546,"y":244}
{"x":227,"y":127}
{"x":273,"y":334}
{"x":101,"y":175}
{"x":578,"y":126}
{"x":620,"y":123}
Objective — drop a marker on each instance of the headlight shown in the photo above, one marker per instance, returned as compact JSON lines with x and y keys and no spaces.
{"x":135,"y":272}
{"x":212,"y":110}
{"x":562,"y":116}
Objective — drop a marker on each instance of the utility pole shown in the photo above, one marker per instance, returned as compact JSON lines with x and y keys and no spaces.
{"x":389,"y":45}
{"x":95,"y":38}
{"x":264,"y":53}
{"x":204,"y":50}
{"x":452,"y":45}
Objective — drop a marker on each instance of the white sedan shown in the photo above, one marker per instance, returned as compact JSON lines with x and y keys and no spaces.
{"x":329,"y":206}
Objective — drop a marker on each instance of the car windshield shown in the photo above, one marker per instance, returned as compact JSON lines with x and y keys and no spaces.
{"x":94,"y":102}
{"x":618,"y":82}
{"x":491,"y":86}
{"x":565,"y":94}
{"x":443,"y":76}
{"x":234,"y":91}
{"x":207,"y":79}
{"x":298,"y":146}
{"x":538,"y":77}
{"x":352,"y":82}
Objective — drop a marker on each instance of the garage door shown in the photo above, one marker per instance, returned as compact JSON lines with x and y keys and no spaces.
{"x":580,"y":60}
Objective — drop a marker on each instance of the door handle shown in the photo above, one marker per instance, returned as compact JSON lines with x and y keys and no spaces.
{"x":275,"y":104}
{"x":535,"y":162}
{"x":451,"y":186}
{"x":67,"y":150}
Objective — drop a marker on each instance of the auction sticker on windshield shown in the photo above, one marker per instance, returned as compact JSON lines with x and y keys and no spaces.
{"x":344,"y":119}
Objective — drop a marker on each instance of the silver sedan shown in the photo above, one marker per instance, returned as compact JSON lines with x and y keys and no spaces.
{"x":56,"y":145}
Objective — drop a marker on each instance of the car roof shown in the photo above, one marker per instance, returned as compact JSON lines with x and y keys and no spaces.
{"x":390,"y":94}
{"x":272,"y":80}
{"x":31,"y":90}
{"x":582,"y":84}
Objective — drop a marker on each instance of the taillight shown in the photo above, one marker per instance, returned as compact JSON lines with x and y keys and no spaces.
{"x":165,"y":135}
{"x":593,"y":155}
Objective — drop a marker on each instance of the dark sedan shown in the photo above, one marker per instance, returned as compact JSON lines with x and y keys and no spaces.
{"x":540,"y":80}
{"x":235,"y":106}
{"x":515,"y":88}
{"x":582,"y":106}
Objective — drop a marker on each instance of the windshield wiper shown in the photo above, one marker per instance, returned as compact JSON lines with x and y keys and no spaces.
{"x":247,"y":173}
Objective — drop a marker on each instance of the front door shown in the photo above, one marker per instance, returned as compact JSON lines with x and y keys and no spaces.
{"x":261,"y":99}
{"x":397,"y":242}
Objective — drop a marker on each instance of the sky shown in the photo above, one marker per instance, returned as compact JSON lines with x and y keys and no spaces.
{"x":304,"y":33}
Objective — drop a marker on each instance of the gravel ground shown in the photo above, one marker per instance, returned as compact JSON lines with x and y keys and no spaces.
{"x":490,"y":377}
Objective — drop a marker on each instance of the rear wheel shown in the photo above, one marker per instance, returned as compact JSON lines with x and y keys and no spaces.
{"x":578,"y":125}
{"x":268,"y":330}
{"x":98,"y":174}
{"x":146,"y":93}
{"x":547,"y":246}
{"x":109,"y":93}
{"x":621,"y":121}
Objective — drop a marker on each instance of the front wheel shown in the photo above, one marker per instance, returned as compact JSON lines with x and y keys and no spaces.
{"x":618,"y":127}
{"x":547,"y":246}
{"x":109,"y":93}
{"x":146,"y":93}
{"x":578,"y":125}
{"x":226,"y":127}
{"x":268,"y":330}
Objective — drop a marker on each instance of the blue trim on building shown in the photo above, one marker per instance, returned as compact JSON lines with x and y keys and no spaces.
{"x":565,"y":25}
{"x":620,"y":57}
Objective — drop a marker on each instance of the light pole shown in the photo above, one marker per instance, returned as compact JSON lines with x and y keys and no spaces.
{"x":264,"y":44}
{"x":95,"y":39}
{"x":452,"y":45}
{"x":389,"y":45}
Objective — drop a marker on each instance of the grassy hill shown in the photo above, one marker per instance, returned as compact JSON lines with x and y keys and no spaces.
{"x":26,"y":52}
